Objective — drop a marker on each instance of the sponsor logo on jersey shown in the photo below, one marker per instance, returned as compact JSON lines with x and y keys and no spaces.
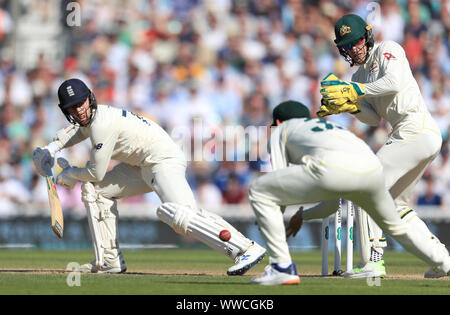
{"x":373,"y":67}
{"x":345,"y":30}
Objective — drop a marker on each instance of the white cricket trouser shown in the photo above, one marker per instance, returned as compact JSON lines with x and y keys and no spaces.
{"x":168,"y":180}
{"x":405,"y":156}
{"x":302,"y":184}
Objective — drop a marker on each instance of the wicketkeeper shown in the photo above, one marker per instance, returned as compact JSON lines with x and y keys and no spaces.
{"x":383,"y":87}
{"x":316,"y":160}
{"x":150,"y":161}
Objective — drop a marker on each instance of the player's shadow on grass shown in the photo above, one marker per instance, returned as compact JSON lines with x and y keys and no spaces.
{"x":61,"y":271}
{"x":234,"y":283}
{"x":32,"y":271}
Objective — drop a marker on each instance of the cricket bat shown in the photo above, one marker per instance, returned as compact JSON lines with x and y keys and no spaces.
{"x":55,"y":205}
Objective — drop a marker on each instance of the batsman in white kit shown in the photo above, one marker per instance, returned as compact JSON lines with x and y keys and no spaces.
{"x":314,"y":160}
{"x":383,"y":87}
{"x":150,"y":161}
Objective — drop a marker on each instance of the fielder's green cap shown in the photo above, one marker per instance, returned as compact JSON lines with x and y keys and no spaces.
{"x":349,"y":29}
{"x":289,"y":109}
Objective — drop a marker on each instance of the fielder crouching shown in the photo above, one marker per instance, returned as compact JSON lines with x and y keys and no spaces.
{"x":314,"y":160}
{"x":151,"y":161}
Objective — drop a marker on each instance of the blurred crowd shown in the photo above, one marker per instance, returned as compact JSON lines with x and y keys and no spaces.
{"x":224,"y":62}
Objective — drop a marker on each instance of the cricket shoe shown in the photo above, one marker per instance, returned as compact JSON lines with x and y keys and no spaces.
{"x":275,"y":275}
{"x":434,"y":273}
{"x":370,"y":270}
{"x":253,"y":255}
{"x":109,"y":266}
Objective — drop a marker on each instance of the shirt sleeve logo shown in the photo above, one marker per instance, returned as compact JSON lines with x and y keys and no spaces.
{"x":389,"y":56}
{"x":99,"y":146}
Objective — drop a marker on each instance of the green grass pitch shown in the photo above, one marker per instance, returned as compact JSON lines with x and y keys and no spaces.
{"x":199,"y":272}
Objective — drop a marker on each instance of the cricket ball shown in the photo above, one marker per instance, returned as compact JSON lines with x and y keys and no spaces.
{"x":225,"y":235}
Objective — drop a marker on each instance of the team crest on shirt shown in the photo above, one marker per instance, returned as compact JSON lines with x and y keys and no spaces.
{"x":345,"y":30}
{"x":374,"y":67}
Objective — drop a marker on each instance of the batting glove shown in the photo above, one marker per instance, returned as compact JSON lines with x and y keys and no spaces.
{"x":64,"y":178}
{"x":43,"y":160}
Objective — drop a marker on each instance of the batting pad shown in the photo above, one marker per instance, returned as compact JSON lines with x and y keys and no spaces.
{"x":103,"y":223}
{"x":203,"y":226}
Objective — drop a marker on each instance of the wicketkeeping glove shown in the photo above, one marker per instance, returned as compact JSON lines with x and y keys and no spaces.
{"x":331,"y":109}
{"x":338,"y":92}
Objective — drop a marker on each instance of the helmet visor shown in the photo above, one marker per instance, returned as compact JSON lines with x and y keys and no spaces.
{"x":359,"y":42}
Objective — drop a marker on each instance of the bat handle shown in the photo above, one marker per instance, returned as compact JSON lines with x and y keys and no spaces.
{"x":48,"y":170}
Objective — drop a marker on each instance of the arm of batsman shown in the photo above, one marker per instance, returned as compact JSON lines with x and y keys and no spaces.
{"x":64,"y":178}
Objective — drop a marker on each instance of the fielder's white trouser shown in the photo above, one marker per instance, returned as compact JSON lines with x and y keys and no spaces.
{"x":369,"y":235}
{"x":405,"y":157}
{"x":168,"y":181}
{"x":303,"y":184}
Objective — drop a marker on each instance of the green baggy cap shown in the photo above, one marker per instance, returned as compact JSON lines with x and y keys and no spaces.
{"x":349,"y":29}
{"x":289,"y":109}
